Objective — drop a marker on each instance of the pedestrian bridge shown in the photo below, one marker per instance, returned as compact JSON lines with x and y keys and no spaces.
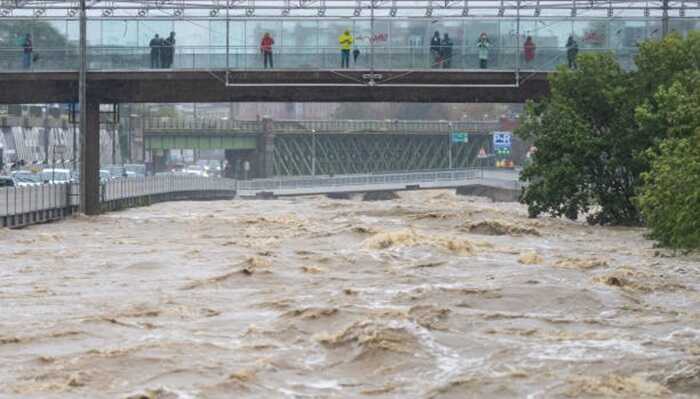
{"x":217,"y":57}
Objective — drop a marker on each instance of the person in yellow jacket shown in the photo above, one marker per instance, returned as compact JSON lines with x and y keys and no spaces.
{"x":345,"y":41}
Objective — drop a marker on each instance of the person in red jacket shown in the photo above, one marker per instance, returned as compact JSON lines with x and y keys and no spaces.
{"x":266,"y":49}
{"x":529,"y":49}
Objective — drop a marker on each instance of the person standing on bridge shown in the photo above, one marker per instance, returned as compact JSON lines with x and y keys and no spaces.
{"x":483,"y":45}
{"x":27,"y":51}
{"x":156,"y":44}
{"x":436,"y":50}
{"x":167,"y":52}
{"x":529,"y":50}
{"x":571,"y":52}
{"x":266,"y":49}
{"x":446,"y":52}
{"x":345,"y":41}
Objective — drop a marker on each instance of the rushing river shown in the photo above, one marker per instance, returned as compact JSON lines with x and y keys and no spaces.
{"x":429,"y":296}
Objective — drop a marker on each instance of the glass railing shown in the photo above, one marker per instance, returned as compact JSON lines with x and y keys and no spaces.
{"x":296,"y":58}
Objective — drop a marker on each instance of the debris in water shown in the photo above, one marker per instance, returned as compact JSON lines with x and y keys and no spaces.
{"x":244,"y":375}
{"x":530,"y":258}
{"x":312,"y":269}
{"x":363,"y":230}
{"x":577,"y":263}
{"x":630,"y":279}
{"x":312,"y":313}
{"x":498,"y":228}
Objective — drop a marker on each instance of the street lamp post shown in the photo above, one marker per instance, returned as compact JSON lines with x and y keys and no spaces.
{"x":313,"y":152}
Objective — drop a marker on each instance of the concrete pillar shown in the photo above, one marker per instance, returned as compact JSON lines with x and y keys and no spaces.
{"x":90,"y":160}
{"x":265,"y":150}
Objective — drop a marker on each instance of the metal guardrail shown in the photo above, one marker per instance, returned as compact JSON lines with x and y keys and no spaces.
{"x":21,"y":200}
{"x":320,"y":182}
{"x":320,"y":127}
{"x":51,"y":196}
{"x":144,"y":186}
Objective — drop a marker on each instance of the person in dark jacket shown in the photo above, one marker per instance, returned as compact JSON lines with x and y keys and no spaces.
{"x":27,"y":51}
{"x":571,"y":52}
{"x":435,"y":50}
{"x":446,"y":51}
{"x":156,"y":44}
{"x":167,"y":52}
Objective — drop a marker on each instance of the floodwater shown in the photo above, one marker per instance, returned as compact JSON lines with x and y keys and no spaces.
{"x":428,"y":296}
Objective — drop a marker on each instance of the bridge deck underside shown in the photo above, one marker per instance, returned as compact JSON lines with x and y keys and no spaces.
{"x":113,"y":87}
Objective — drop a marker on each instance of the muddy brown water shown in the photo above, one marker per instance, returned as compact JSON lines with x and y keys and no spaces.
{"x":428,"y":296}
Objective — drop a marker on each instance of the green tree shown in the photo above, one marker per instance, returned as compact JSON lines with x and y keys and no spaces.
{"x":586,"y":144}
{"x":592,"y":147}
{"x":670,"y":197}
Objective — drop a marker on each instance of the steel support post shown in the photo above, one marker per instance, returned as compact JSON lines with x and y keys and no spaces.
{"x":90,"y":158}
{"x":89,"y":132}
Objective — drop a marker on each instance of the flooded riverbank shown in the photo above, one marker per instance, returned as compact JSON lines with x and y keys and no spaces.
{"x":431,"y":295}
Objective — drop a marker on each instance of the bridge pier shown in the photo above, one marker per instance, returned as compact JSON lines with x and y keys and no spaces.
{"x":90,"y":160}
{"x":265,"y":151}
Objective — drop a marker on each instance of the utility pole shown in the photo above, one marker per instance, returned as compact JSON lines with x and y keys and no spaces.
{"x":82,"y":99}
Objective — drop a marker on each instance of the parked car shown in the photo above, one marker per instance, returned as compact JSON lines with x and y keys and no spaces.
{"x":135,"y":169}
{"x":26,"y":178}
{"x":7,"y":181}
{"x":55,"y":176}
{"x":105,"y":176}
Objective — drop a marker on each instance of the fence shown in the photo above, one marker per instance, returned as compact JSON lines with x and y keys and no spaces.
{"x":504,"y":58}
{"x":25,"y":205}
{"x":389,"y":181}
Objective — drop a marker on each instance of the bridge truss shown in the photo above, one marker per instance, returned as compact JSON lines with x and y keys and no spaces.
{"x":342,"y":154}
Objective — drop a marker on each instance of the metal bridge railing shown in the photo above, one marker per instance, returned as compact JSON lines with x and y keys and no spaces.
{"x":43,"y":197}
{"x":388,"y":57}
{"x":388,"y":179}
{"x":319,"y":126}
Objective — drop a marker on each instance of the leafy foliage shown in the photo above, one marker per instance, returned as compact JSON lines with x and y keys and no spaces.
{"x":586,"y":144}
{"x":594,"y":132}
{"x":670,"y":197}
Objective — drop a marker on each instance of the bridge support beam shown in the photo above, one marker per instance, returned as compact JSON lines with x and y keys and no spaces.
{"x":90,"y":159}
